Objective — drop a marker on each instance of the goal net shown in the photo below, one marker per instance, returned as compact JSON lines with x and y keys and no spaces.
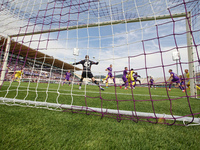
{"x":143,"y":53}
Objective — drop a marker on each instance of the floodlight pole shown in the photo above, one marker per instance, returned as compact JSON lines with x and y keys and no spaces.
{"x":193,"y":89}
{"x":5,"y":60}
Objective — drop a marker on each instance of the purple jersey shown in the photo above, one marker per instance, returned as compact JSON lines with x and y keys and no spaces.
{"x":151,"y":80}
{"x":109,"y":71}
{"x":136,"y":76}
{"x":68,"y":74}
{"x":175,"y":77}
{"x":124,"y":73}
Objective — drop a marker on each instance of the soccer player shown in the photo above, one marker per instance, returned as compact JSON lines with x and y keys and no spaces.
{"x":109,"y":69}
{"x":151,"y":82}
{"x":86,"y":63}
{"x":131,"y":80}
{"x":182,"y":81}
{"x":67,"y":77}
{"x":18,"y":75}
{"x":124,"y":78}
{"x":135,"y":78}
{"x":187,"y":79}
{"x":174,"y":78}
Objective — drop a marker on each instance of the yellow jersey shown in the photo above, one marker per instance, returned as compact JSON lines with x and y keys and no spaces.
{"x":18,"y":73}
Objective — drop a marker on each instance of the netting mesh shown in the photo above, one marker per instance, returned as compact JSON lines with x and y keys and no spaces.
{"x":137,"y":34}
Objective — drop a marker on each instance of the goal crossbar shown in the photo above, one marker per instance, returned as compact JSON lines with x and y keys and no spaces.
{"x":102,"y":24}
{"x":102,"y":110}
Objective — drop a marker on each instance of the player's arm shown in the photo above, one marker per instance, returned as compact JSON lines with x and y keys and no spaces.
{"x":95,"y":63}
{"x":76,"y":63}
{"x":171,"y":76}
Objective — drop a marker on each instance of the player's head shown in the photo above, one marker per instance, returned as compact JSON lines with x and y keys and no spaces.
{"x":68,"y":70}
{"x":86,"y":57}
{"x":180,"y":76}
{"x":126,"y":68}
{"x":170,"y":70}
{"x":110,"y":65}
{"x":135,"y":73}
{"x":186,"y":70}
{"x":21,"y":69}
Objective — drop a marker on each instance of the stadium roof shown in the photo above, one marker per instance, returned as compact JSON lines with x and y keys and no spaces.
{"x":25,"y":51}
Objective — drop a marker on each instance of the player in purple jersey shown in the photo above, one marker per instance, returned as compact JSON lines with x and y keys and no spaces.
{"x":135,"y":76}
{"x":182,"y":82}
{"x":174,"y":78}
{"x":109,"y":69}
{"x":152,"y":82}
{"x":86,"y":63}
{"x":67,"y":77}
{"x":124,"y":78}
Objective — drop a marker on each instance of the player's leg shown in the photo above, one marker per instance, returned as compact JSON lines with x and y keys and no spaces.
{"x":107,"y":77}
{"x":18,"y":78}
{"x":97,"y":83}
{"x":126,"y":82}
{"x":178,"y":82}
{"x":183,"y":85}
{"x":113,"y":80}
{"x":15,"y":76}
{"x":133,"y":83}
{"x":126,"y":85}
{"x":90,"y":75}
{"x":69,"y":82}
{"x":170,"y":84}
{"x":198,"y":88}
{"x":80,"y":82}
{"x":124,"y":79}
{"x":64,"y":82}
{"x":139,"y":81}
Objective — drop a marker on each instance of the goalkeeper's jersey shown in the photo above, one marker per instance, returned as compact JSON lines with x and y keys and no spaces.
{"x":86,"y":65}
{"x":18,"y":73}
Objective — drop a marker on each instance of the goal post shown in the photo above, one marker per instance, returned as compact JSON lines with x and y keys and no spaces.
{"x":193,"y":90}
{"x":5,"y":60}
{"x":102,"y":24}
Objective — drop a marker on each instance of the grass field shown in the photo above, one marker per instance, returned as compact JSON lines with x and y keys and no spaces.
{"x":141,"y":99}
{"x":31,"y":128}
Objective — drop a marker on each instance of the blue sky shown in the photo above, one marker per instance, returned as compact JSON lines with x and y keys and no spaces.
{"x":108,"y":44}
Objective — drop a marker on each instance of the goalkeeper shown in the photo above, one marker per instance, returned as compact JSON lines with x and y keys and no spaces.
{"x":18,"y":75}
{"x":187,"y":79}
{"x":86,"y":63}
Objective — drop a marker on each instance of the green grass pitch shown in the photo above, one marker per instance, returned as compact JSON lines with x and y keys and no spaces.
{"x":31,"y":128}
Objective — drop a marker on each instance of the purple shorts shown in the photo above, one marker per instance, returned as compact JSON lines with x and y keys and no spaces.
{"x":67,"y":79}
{"x":110,"y":75}
{"x":124,"y":79}
{"x":175,"y":80}
{"x":182,"y":83}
